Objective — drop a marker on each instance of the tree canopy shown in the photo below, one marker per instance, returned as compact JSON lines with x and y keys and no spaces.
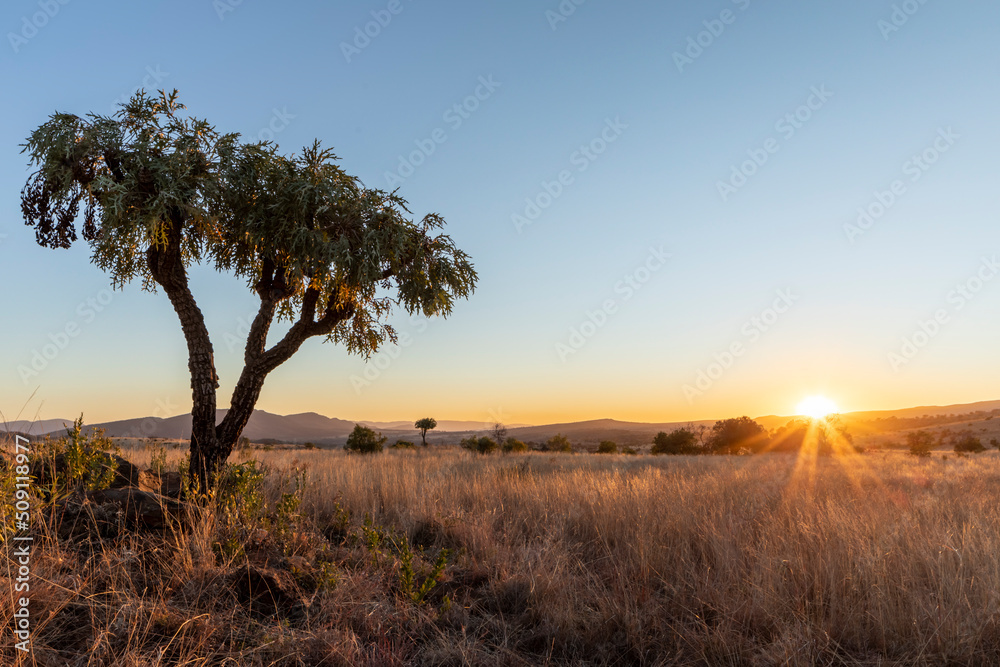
{"x":160,"y":191}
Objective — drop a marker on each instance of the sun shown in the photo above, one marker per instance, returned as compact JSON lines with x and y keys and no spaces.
{"x":817,"y":407}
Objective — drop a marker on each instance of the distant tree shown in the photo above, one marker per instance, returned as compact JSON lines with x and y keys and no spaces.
{"x":680,"y":441}
{"x":425,"y":424}
{"x":729,"y":436}
{"x":513,"y":446}
{"x":499,"y":432}
{"x":558,"y":443}
{"x":364,"y":440}
{"x":630,"y":451}
{"x":969,"y":444}
{"x":607,"y":447}
{"x":309,"y":445}
{"x":920,"y":443}
{"x":403,"y":444}
{"x":159,"y":192}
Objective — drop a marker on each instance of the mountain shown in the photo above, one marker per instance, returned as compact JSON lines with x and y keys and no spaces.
{"x":312,"y":427}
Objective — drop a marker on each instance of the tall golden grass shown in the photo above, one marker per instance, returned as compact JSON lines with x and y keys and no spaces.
{"x":876,"y":559}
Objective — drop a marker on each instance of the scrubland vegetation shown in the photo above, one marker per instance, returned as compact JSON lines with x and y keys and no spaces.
{"x":437,"y":556}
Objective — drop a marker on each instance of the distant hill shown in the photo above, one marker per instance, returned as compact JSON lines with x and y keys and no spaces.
{"x":313,"y":427}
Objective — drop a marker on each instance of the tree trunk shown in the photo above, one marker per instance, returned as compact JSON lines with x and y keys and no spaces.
{"x":167,"y":268}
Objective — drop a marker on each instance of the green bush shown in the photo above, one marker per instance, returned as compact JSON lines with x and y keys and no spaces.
{"x":365,"y":441}
{"x":607,"y":447}
{"x":969,"y":444}
{"x":513,"y":446}
{"x":86,"y":461}
{"x":403,"y":444}
{"x":558,"y":443}
{"x":920,"y":443}
{"x":480,"y":445}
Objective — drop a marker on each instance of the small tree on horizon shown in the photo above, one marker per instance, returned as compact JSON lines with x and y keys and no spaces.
{"x":680,"y":441}
{"x":920,"y":443}
{"x":424,"y":425}
{"x":161,"y":192}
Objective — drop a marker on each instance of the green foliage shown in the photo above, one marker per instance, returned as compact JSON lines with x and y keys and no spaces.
{"x":607,"y":447}
{"x":630,"y":451}
{"x":681,"y":441}
{"x":403,"y":444}
{"x":150,"y":177}
{"x":415,"y":581}
{"x":87,"y":463}
{"x":424,"y":425}
{"x":364,"y":440}
{"x":239,"y":493}
{"x":480,"y":445}
{"x":920,"y":443}
{"x":969,"y":444}
{"x":729,"y":436}
{"x":158,"y":459}
{"x":558,"y":443}
{"x":514,"y":446}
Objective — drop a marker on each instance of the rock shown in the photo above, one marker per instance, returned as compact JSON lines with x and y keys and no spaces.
{"x":44,"y":470}
{"x":143,"y":508}
{"x":267,"y":592}
{"x":166,"y":483}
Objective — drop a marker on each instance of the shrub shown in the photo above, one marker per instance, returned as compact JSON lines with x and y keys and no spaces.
{"x":607,"y":447}
{"x":86,"y":461}
{"x":364,"y":440}
{"x":309,"y":445}
{"x":403,"y":444}
{"x":558,"y":443}
{"x":480,"y":445}
{"x":513,"y":445}
{"x":969,"y":444}
{"x":681,"y":441}
{"x":920,"y":443}
{"x":630,"y":451}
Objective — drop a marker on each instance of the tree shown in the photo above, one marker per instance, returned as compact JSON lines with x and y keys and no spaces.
{"x":425,"y":424}
{"x":729,"y":436}
{"x":365,"y":441}
{"x":161,"y":191}
{"x":681,"y":441}
{"x":499,"y":432}
{"x":920,"y":442}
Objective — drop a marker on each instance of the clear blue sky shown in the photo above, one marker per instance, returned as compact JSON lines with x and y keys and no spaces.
{"x":673,"y":128}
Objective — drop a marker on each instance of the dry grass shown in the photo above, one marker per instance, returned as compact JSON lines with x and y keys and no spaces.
{"x":879,"y":559}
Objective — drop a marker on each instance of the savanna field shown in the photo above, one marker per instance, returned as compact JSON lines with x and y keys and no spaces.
{"x":442,"y":556}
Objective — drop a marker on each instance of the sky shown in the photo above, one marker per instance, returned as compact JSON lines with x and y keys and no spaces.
{"x":677,"y":210}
